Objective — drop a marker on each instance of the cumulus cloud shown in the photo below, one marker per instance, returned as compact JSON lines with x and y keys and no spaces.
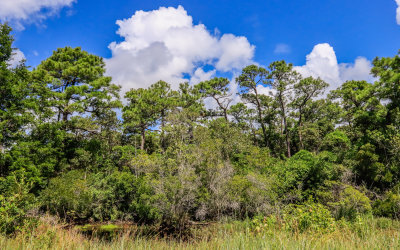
{"x":322,"y":62}
{"x":282,"y":49}
{"x":359,"y":70}
{"x":164,"y":44}
{"x":16,"y":58}
{"x":398,"y":12}
{"x":200,"y":75}
{"x":20,"y":11}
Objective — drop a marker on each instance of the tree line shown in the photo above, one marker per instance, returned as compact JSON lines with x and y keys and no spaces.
{"x":72,"y":147}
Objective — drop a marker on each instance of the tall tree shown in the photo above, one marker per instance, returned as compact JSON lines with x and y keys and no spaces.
{"x":388,"y":71}
{"x":14,"y":89}
{"x":282,"y":78}
{"x":305,"y":90}
{"x":146,"y":108}
{"x":79,"y":90}
{"x":217,"y":89}
{"x":250,"y":78}
{"x":82,"y":104}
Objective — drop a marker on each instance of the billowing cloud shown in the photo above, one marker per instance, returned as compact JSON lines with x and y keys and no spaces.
{"x":359,"y":70}
{"x":16,"y":58}
{"x":322,"y":62}
{"x":22,"y":11}
{"x":164,"y":44}
{"x":200,"y":75}
{"x":398,"y":12}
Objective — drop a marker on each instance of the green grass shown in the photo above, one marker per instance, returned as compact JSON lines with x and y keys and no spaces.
{"x":365,"y":234}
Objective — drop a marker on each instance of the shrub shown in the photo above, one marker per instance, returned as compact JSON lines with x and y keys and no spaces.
{"x":306,"y":172}
{"x":344,"y":201}
{"x":309,"y":216}
{"x":351,"y":204}
{"x":15,"y":207}
{"x":389,"y":206}
{"x":79,"y":196}
{"x":336,"y":142}
{"x":68,"y":196}
{"x":297,"y":219}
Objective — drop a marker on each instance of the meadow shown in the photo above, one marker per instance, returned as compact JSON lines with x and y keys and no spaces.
{"x":366,"y":233}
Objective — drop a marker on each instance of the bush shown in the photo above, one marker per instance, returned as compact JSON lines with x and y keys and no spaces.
{"x":68,"y":196}
{"x":344,"y":201}
{"x":306,"y":172}
{"x":297,"y":219}
{"x":15,"y":207}
{"x":336,"y":142}
{"x":309,"y":216}
{"x":77,"y":196}
{"x":389,"y":206}
{"x":351,"y":204}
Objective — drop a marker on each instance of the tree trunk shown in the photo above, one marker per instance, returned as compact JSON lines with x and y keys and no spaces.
{"x":287,"y":138}
{"x":163,"y":143}
{"x":226,"y":114}
{"x":286,"y":128}
{"x":222,"y":107}
{"x":300,"y":128}
{"x":143,"y":138}
{"x":260,"y":117}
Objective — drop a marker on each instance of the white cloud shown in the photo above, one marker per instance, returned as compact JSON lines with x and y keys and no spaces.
{"x":282,"y":49}
{"x":358,"y":71}
{"x":233,"y":52}
{"x":16,"y":58}
{"x":398,"y":12}
{"x":20,"y":11}
{"x":164,"y":44}
{"x":200,"y":75}
{"x":322,"y":62}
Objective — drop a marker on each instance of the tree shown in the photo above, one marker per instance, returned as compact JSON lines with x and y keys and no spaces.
{"x":364,"y":117}
{"x":78,"y":87}
{"x":146,"y":107}
{"x":78,"y":100}
{"x":282,"y":78}
{"x":14,"y":90}
{"x":217,"y":89}
{"x":250,"y":78}
{"x":388,"y":71}
{"x":305,"y":90}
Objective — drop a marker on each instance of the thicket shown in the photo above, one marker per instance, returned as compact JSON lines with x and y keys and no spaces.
{"x":70,"y":146}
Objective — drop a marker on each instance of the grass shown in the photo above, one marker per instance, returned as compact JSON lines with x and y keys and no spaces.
{"x":365,"y":234}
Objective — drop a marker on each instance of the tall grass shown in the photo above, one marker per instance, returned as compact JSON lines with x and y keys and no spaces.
{"x":364,"y":234}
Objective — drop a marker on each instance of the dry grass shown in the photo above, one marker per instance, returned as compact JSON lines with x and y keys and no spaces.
{"x":371,"y":234}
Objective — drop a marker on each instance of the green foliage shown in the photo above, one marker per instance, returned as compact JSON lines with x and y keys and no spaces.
{"x":344,"y":201}
{"x":310,"y":216}
{"x":217,"y":89}
{"x":15,"y":205}
{"x":306,"y":171}
{"x":68,"y":196}
{"x":336,"y":142}
{"x":168,"y":161}
{"x":389,"y":206}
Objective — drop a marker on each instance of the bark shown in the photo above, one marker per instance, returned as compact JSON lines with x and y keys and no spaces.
{"x":143,"y":138}
{"x":222,"y":107}
{"x":285,"y":127}
{"x":260,"y":117}
{"x":300,"y":130}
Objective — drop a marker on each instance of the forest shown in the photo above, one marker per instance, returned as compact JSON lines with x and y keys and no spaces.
{"x":298,"y":159}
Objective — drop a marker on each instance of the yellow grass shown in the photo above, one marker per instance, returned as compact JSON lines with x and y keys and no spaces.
{"x":371,"y":234}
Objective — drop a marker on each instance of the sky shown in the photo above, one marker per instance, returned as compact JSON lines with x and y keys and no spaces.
{"x":146,"y":41}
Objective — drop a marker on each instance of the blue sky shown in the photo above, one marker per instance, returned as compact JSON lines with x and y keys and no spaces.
{"x":274,"y":29}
